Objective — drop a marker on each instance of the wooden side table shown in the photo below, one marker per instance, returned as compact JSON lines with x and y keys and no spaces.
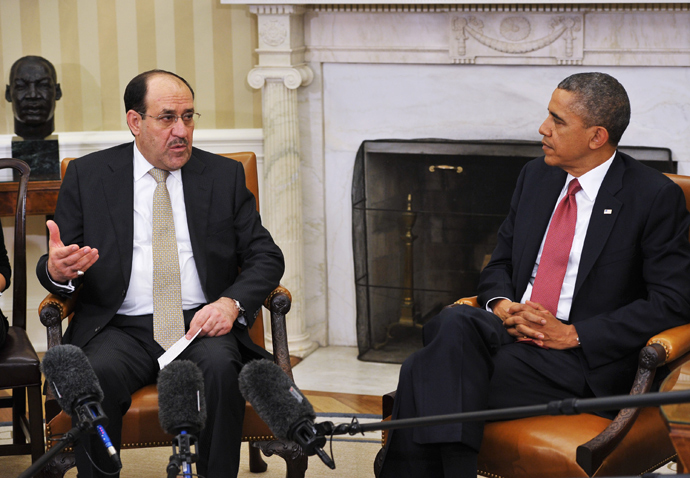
{"x":41,"y":197}
{"x":677,"y":416}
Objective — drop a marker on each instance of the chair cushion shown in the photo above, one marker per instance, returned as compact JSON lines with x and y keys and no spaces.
{"x":19,"y":364}
{"x":141,"y":428}
{"x":546,"y":446}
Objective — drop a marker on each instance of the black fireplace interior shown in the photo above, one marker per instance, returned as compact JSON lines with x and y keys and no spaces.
{"x":425,"y":215}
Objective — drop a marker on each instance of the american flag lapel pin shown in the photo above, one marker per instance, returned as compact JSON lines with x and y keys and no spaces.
{"x":608,"y":211}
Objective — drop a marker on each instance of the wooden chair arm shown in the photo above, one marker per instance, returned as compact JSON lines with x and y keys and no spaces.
{"x":278,"y":303}
{"x":675,"y":342}
{"x":591,"y":455}
{"x":471,"y":301}
{"x":52,"y":311}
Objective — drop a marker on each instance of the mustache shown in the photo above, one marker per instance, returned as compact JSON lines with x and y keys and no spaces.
{"x":178,"y":142}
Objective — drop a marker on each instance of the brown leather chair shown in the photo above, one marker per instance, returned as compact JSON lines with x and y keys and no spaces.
{"x":635,"y":442}
{"x":140,"y":428}
{"x":19,"y":365}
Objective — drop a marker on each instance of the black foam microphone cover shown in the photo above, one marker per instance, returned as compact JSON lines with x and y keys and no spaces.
{"x":70,"y":376}
{"x":275,"y":398}
{"x":181,"y":401}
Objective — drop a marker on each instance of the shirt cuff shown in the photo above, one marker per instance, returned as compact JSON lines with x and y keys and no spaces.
{"x":489,"y":302}
{"x":65,"y":287}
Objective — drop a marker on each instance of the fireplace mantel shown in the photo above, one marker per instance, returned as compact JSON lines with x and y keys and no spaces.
{"x":481,"y":70}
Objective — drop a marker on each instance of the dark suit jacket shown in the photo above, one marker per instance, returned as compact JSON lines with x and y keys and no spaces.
{"x":95,"y":208}
{"x":634,"y":275}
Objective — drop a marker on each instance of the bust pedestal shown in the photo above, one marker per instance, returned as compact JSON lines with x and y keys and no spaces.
{"x":42,"y":156}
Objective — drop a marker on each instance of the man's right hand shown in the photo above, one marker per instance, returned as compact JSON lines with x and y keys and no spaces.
{"x":65,"y":262}
{"x":500,"y":307}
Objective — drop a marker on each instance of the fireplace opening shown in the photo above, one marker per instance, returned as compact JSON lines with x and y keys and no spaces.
{"x":425,"y":214}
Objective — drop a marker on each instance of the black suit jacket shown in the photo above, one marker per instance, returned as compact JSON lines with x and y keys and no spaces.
{"x":95,"y":208}
{"x":634,"y":277}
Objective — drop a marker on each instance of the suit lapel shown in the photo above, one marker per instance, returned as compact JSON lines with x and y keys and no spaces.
{"x":601,"y":224}
{"x":118,"y":187}
{"x":539,"y":212}
{"x":197,"y":186}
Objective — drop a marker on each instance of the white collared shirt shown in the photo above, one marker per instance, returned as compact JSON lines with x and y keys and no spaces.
{"x":139,"y":298}
{"x":585,"y":197}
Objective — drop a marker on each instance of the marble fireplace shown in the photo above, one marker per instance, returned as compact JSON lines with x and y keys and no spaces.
{"x":336,"y":75}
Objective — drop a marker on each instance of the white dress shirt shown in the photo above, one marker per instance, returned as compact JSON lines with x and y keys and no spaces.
{"x":139,"y":298}
{"x":585,"y":197}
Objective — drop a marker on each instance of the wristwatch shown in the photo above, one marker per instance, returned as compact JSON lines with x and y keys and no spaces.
{"x":240,"y":309}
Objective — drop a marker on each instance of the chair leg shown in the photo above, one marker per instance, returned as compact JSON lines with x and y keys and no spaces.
{"x":18,"y":411}
{"x":36,"y":422}
{"x":294,"y":457}
{"x":378,"y":462}
{"x":256,"y":463}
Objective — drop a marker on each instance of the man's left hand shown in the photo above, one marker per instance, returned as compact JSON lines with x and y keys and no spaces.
{"x":214,"y":319}
{"x":533,"y":321}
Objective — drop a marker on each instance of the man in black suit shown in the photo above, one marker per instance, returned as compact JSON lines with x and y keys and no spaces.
{"x":101,"y":241}
{"x":624,"y":278}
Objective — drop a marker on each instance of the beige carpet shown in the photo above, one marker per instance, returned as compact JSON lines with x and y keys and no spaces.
{"x":352,"y":460}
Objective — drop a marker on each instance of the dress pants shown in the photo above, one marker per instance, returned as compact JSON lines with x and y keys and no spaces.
{"x":469,"y":362}
{"x":124,"y":357}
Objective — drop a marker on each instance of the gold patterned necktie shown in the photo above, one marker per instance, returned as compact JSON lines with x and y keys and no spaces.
{"x":168,"y":322}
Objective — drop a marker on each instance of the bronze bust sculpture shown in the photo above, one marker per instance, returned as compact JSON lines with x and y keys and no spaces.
{"x":33,"y":90}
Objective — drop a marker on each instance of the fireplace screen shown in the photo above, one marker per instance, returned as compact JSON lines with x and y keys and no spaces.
{"x":425,"y":216}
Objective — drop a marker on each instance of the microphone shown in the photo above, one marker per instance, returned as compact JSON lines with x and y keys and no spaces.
{"x":76,"y":387}
{"x":283,"y":407}
{"x":181,"y":411}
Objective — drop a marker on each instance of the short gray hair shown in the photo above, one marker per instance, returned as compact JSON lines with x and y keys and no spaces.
{"x":600,"y":101}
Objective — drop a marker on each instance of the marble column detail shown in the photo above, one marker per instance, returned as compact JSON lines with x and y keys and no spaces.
{"x":280,"y":72}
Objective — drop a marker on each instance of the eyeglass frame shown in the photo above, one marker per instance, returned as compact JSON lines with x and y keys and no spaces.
{"x":194,"y":119}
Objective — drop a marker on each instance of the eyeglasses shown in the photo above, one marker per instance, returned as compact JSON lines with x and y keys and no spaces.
{"x":168,"y":119}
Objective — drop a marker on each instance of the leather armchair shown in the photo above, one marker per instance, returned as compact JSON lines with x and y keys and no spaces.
{"x":19,"y":365}
{"x":141,"y":428}
{"x":636,"y":441}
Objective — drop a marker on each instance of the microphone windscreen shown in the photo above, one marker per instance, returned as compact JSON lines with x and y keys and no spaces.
{"x":70,"y":376}
{"x":181,"y":402}
{"x":275,"y":398}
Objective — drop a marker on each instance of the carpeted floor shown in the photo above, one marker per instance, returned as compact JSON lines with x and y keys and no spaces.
{"x":352,"y":460}
{"x":353,"y":457}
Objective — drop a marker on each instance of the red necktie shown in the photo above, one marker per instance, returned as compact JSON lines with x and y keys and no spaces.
{"x":554,"y":256}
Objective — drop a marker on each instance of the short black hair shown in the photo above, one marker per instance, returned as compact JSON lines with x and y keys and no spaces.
{"x":135,"y":93}
{"x":600,"y":101}
{"x":49,"y":65}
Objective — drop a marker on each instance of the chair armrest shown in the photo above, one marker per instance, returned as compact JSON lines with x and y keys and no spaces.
{"x":591,"y":455}
{"x":278,"y":303}
{"x":675,"y":341}
{"x":471,"y":301}
{"x":52,"y":311}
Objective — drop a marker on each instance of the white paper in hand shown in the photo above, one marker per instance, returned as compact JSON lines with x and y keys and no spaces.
{"x":175,"y":350}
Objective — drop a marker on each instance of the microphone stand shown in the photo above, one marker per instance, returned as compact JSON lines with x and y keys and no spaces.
{"x":569,"y":406}
{"x":67,"y":439}
{"x":90,"y":419}
{"x":182,"y":456}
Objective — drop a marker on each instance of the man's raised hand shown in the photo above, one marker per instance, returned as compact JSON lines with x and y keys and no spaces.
{"x":66,"y":263}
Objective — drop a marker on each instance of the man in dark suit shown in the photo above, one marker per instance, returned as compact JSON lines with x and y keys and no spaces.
{"x":103,"y":241}
{"x":622,"y":275}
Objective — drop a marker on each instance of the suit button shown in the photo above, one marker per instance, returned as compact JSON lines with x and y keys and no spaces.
{"x":97,"y":329}
{"x":124,"y":293}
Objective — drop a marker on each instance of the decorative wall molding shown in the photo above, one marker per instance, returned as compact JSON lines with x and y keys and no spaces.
{"x":587,"y":35}
{"x":551,"y":38}
{"x":561,"y":7}
{"x":293,"y":78}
